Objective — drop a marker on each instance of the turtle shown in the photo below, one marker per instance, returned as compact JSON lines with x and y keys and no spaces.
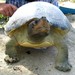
{"x":38,"y":24}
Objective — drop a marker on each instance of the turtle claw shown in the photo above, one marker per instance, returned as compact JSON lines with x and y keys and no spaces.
{"x":11,"y":60}
{"x":63,"y":67}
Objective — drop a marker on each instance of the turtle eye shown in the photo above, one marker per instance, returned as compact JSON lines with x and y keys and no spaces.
{"x":36,"y":21}
{"x":32,"y":24}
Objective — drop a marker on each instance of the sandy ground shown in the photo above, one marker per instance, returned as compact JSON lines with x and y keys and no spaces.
{"x":37,"y":62}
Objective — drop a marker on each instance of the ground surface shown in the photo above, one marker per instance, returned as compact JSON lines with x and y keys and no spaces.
{"x":37,"y":62}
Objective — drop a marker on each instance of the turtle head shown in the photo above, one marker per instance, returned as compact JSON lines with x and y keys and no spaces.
{"x":38,"y":29}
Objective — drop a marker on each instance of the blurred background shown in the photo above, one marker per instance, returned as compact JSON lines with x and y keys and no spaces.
{"x":66,"y":6}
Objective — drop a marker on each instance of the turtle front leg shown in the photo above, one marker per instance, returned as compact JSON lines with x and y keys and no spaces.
{"x":11,"y":52}
{"x":62,"y":62}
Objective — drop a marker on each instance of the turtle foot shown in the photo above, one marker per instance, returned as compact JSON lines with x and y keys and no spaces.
{"x":11,"y":60}
{"x":63,"y":67}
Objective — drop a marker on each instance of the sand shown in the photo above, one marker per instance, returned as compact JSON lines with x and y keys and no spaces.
{"x":37,"y":62}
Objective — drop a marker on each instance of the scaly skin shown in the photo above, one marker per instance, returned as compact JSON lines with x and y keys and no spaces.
{"x":62,"y":62}
{"x":11,"y":51}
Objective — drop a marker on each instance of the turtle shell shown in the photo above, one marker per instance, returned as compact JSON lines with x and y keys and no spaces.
{"x":37,"y":9}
